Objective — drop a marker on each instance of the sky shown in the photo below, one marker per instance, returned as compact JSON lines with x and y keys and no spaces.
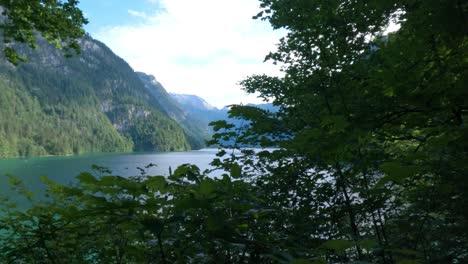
{"x":202,"y":47}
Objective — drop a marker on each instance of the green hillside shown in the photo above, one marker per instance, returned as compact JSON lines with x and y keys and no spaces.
{"x":93,"y":102}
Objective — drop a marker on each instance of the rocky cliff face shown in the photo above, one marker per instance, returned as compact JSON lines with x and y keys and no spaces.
{"x":196,"y":129}
{"x":159,"y":93}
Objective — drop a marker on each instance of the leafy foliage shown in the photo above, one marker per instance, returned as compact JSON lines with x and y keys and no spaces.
{"x":186,"y":217}
{"x":59,"y":22}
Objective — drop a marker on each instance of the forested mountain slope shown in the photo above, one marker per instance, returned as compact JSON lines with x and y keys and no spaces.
{"x":92,"y":102}
{"x":196,"y":130}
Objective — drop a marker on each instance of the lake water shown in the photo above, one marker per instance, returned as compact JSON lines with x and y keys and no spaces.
{"x":64,"y":169}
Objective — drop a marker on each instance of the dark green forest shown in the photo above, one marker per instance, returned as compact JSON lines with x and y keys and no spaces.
{"x":27,"y":129}
{"x":370,"y":162}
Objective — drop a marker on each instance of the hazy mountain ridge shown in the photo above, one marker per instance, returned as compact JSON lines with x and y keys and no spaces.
{"x":199,"y":109}
{"x":192,"y":101}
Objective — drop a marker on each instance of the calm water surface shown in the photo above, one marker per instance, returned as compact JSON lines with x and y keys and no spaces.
{"x":65,"y":169}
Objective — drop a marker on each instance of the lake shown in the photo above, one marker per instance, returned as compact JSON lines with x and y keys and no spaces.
{"x":64,"y":169}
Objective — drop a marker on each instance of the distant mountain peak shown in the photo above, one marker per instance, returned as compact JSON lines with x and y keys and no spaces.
{"x":193,"y":101}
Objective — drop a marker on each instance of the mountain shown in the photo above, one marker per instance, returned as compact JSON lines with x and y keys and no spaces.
{"x":196,"y":130}
{"x":192,"y":102}
{"x":199,"y":109}
{"x":93,"y":102}
{"x":267,"y":106}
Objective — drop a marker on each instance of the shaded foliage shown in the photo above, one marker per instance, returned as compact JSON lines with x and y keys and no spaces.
{"x":184,"y":218}
{"x":372,"y":130}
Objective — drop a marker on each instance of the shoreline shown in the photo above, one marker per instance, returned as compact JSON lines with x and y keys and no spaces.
{"x":97,"y":154}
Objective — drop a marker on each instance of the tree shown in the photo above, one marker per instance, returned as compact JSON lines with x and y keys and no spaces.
{"x":371,"y":131}
{"x":59,"y":22}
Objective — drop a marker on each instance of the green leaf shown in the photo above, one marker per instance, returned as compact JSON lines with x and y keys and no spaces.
{"x":339,"y":245}
{"x":368,"y":244}
{"x":157,"y":184}
{"x":395,"y":172}
{"x":101,"y":169}
{"x":408,"y":261}
{"x":301,"y":261}
{"x":235,"y":171}
{"x":187,"y":171}
{"x":153,"y":224}
{"x":405,"y":252}
{"x":87,"y":178}
{"x":207,"y":186}
{"x":307,"y":261}
{"x":214,"y":223}
{"x":13,"y":57}
{"x":221,"y":124}
{"x":336,"y":123}
{"x":388,"y":91}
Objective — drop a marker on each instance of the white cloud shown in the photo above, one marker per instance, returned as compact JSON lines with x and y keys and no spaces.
{"x":202,"y":47}
{"x":137,"y":13}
